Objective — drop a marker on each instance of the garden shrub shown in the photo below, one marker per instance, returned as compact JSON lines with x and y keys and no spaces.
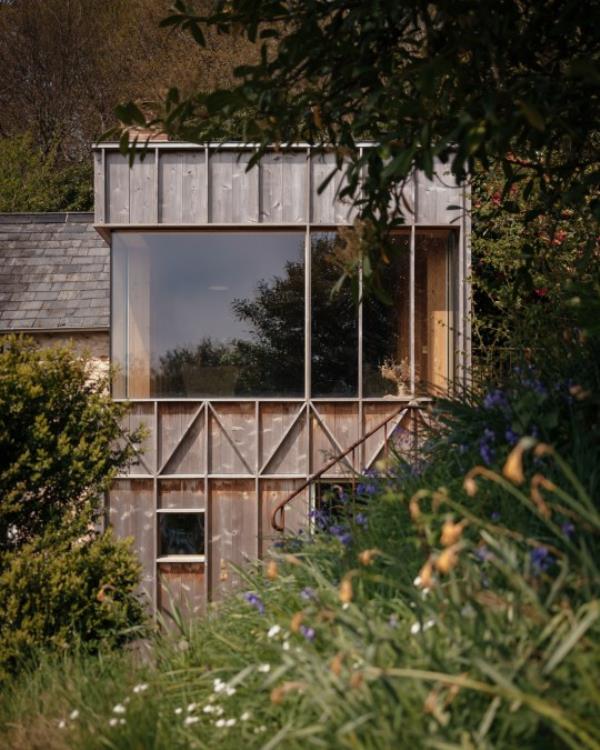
{"x":58,"y":593}
{"x":60,"y":440}
{"x":62,"y":582}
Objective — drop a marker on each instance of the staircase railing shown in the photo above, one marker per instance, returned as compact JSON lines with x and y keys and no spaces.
{"x":279,"y":523}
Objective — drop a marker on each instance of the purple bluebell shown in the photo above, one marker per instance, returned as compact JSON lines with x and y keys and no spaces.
{"x":541,"y":559}
{"x":254,"y":600}
{"x":308,"y":632}
{"x":568,"y":529}
{"x":486,"y":452}
{"x":361,"y":519}
{"x":511,"y":436}
{"x":495,"y":399}
{"x":495,"y":516}
{"x":308,"y":594}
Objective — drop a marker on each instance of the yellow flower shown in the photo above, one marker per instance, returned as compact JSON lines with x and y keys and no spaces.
{"x":513,"y":468}
{"x":346,"y":590}
{"x":448,"y":559}
{"x":296,"y":621}
{"x":271,"y":570}
{"x":425,"y":577}
{"x":451,"y":532}
{"x":367,"y":556}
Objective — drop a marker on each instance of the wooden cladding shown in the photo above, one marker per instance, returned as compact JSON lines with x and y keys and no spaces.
{"x":194,"y":186}
{"x":224,"y":467}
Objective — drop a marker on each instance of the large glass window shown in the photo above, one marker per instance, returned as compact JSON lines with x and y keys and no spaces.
{"x":334,"y":330}
{"x":208,"y":314}
{"x":212,"y":314}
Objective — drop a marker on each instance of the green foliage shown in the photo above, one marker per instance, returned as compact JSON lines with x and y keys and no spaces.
{"x":496,"y":643}
{"x":57,"y":592}
{"x":59,"y":447}
{"x":32,"y":179}
{"x":526,"y":276}
{"x":472,"y":84}
{"x":61,"y":582}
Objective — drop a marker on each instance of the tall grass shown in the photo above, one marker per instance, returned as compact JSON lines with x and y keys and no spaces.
{"x":436,"y":626}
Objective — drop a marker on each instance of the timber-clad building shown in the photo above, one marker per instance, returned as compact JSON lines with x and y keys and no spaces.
{"x":253,"y":380}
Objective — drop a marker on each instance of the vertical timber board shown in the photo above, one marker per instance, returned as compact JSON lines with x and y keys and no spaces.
{"x":170,"y":185}
{"x":327,"y":207}
{"x":233,"y":438}
{"x":437,"y":316}
{"x":182,"y":434}
{"x":131,"y":514}
{"x":234,"y":192}
{"x":291,"y":457}
{"x":283,"y":188}
{"x":233,"y":536}
{"x":117,"y":188}
{"x":99,"y":192}
{"x":435,"y":196}
{"x":142,"y":415}
{"x":193,"y":192}
{"x":276,"y":419}
{"x":181,"y":494}
{"x":374,"y":413}
{"x":181,"y":590}
{"x":272,"y":492}
{"x":341,"y":424}
{"x":142,"y":191}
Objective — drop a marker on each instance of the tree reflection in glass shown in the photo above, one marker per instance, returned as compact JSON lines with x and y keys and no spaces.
{"x":334,"y":317}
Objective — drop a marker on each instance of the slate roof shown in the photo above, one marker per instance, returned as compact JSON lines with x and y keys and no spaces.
{"x":54,"y":272}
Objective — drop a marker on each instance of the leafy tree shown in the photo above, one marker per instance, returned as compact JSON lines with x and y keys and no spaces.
{"x":32,"y":180}
{"x":470,"y":83}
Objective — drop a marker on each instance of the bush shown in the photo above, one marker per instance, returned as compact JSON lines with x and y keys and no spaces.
{"x":34,"y":180}
{"x":60,"y":441}
{"x":61,"y":582}
{"x":59,"y":593}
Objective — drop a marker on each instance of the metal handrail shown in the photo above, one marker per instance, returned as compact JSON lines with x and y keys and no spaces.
{"x":330,"y":464}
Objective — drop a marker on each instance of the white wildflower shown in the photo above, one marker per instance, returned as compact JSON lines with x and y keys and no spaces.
{"x":209,"y":709}
{"x":220,"y":723}
{"x":122,"y":722}
{"x":345,"y":605}
{"x":140,"y":688}
{"x":273,"y":631}
{"x":246,"y":716}
{"x":230,"y":690}
{"x":183,"y":645}
{"x":264,"y":668}
{"x":285,"y":645}
{"x":62,"y":724}
{"x":219,"y":685}
{"x":219,"y":710}
{"x":417,"y":581}
{"x":258,"y":730}
{"x":113,"y":722}
{"x":119,"y":709}
{"x":229,"y":722}
{"x":416,"y":626}
{"x":191,"y":707}
{"x":190,"y":720}
{"x":178,"y":710}
{"x":74,"y":714}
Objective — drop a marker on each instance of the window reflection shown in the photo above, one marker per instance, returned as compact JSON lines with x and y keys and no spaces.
{"x":208,"y":314}
{"x":180,"y":534}
{"x":334,"y":337}
{"x":386,"y":327}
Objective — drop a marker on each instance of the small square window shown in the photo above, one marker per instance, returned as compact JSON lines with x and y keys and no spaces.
{"x":180,"y":534}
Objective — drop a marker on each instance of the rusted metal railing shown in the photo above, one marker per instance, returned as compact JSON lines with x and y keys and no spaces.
{"x":279,"y":524}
